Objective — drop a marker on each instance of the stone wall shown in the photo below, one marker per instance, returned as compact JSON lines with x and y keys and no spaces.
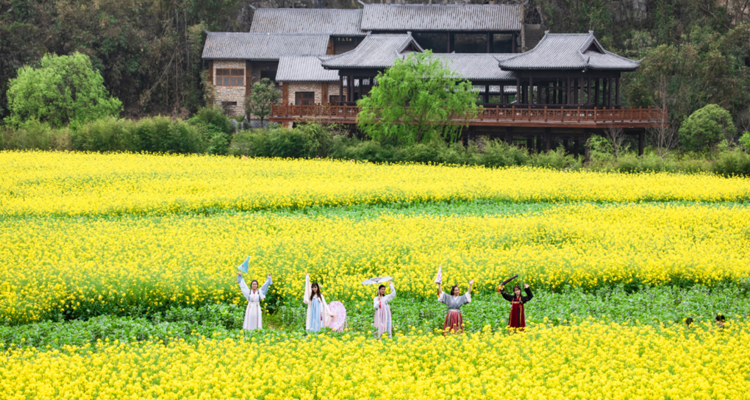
{"x":315,"y":87}
{"x":226,"y":94}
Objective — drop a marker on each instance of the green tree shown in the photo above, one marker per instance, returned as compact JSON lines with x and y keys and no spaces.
{"x":706,"y":127}
{"x":416,"y":100}
{"x":63,"y":90}
{"x":262,"y":96}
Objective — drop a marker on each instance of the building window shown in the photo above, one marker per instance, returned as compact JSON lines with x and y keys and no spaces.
{"x":336,"y":99}
{"x":230,"y":77}
{"x":304,"y":98}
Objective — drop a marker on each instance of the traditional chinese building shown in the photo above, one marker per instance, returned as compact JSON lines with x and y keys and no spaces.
{"x":324,"y":60}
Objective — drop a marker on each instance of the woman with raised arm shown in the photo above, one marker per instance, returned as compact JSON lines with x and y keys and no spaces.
{"x":517,"y":316}
{"x":454,"y":321}
{"x":383,"y":322}
{"x":318,"y":314}
{"x":253,"y":312}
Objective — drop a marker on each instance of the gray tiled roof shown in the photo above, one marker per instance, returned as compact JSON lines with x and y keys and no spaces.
{"x":375,"y":51}
{"x":479,"y":67}
{"x":300,"y":20}
{"x":444,"y":17}
{"x":261,"y":46}
{"x":304,"y":69}
{"x":569,"y":51}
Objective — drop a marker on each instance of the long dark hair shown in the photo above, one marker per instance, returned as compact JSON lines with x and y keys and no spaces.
{"x":251,"y":284}
{"x":312,"y":294}
{"x":519,"y":289}
{"x":380,"y":287}
{"x":453,"y":289}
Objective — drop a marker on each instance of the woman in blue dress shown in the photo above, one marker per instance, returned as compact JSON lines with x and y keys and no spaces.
{"x":318,"y":314}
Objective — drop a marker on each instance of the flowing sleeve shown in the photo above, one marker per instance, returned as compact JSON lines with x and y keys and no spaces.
{"x":529,"y":296}
{"x":441,"y":298}
{"x":506,"y":296}
{"x":391,"y":296}
{"x":467,"y":298}
{"x":376,"y":303}
{"x":245,"y":289}
{"x":327,"y":315}
{"x":264,"y":288}
{"x":308,"y":290}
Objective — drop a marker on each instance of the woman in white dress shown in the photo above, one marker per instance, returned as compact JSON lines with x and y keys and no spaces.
{"x":253,"y":312}
{"x":383,"y":321}
{"x":318,"y":314}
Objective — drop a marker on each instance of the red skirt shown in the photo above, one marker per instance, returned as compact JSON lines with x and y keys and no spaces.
{"x":454,"y":322}
{"x":517,"y":316}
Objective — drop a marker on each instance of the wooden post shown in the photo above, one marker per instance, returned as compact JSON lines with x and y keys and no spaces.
{"x":509,"y":135}
{"x":531,"y":90}
{"x":641,"y":141}
{"x":587,"y":148}
{"x":547,"y":139}
{"x":568,"y":97}
{"x":513,"y":43}
{"x":580,"y":91}
{"x":211,"y":72}
{"x":248,"y":78}
{"x":596,"y":92}
{"x":285,"y":93}
{"x":518,"y":91}
{"x":341,"y":91}
{"x":451,"y":42}
{"x":324,"y":93}
{"x":530,"y":143}
{"x":489,"y":42}
{"x":588,"y":92}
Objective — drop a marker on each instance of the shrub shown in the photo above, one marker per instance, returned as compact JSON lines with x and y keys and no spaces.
{"x":217,"y":129}
{"x":557,"y":159}
{"x":706,"y":127}
{"x":109,"y":134}
{"x":34,"y":135}
{"x":732,"y":162}
{"x":163,"y":135}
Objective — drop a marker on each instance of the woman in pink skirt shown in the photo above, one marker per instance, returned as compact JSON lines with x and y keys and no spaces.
{"x":454,"y":322}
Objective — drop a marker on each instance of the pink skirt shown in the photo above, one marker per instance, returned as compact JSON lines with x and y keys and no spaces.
{"x":454,"y":322}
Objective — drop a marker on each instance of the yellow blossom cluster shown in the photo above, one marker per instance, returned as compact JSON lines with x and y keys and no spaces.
{"x":37,"y":183}
{"x":48,"y":265}
{"x":590,"y":360}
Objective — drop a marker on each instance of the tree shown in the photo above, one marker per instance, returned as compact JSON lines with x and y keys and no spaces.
{"x":417,"y":99}
{"x":63,"y":90}
{"x":262,"y":96}
{"x":706,"y":127}
{"x":616,"y":137}
{"x":663,"y":134}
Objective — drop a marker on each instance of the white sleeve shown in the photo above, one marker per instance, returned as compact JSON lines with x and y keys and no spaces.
{"x":441,"y":298}
{"x":392,"y":295}
{"x":245,"y":289}
{"x":468,"y":297}
{"x":264,"y":288}
{"x":308,"y":290}
{"x":376,"y":303}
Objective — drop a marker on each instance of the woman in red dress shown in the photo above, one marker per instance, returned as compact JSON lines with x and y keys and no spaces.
{"x":517,"y":316}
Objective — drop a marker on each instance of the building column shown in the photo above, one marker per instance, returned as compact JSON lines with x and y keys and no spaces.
{"x":531,"y":90}
{"x":324,"y":93}
{"x":547,"y":139}
{"x":341,"y":90}
{"x":587,"y":148}
{"x":617,"y":92}
{"x":513,"y":43}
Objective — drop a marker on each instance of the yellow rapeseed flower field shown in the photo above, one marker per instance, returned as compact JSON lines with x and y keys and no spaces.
{"x":37,"y":183}
{"x":51,"y":264}
{"x":590,"y":360}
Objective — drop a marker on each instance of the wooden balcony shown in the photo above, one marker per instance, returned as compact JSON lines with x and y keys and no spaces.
{"x":531,"y":117}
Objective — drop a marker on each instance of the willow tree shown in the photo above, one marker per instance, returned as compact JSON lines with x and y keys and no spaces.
{"x":416,"y":100}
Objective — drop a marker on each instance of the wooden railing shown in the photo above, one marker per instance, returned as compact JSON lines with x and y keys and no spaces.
{"x":500,"y":116}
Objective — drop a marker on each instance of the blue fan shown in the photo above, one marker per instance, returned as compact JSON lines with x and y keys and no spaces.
{"x":245,"y":265}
